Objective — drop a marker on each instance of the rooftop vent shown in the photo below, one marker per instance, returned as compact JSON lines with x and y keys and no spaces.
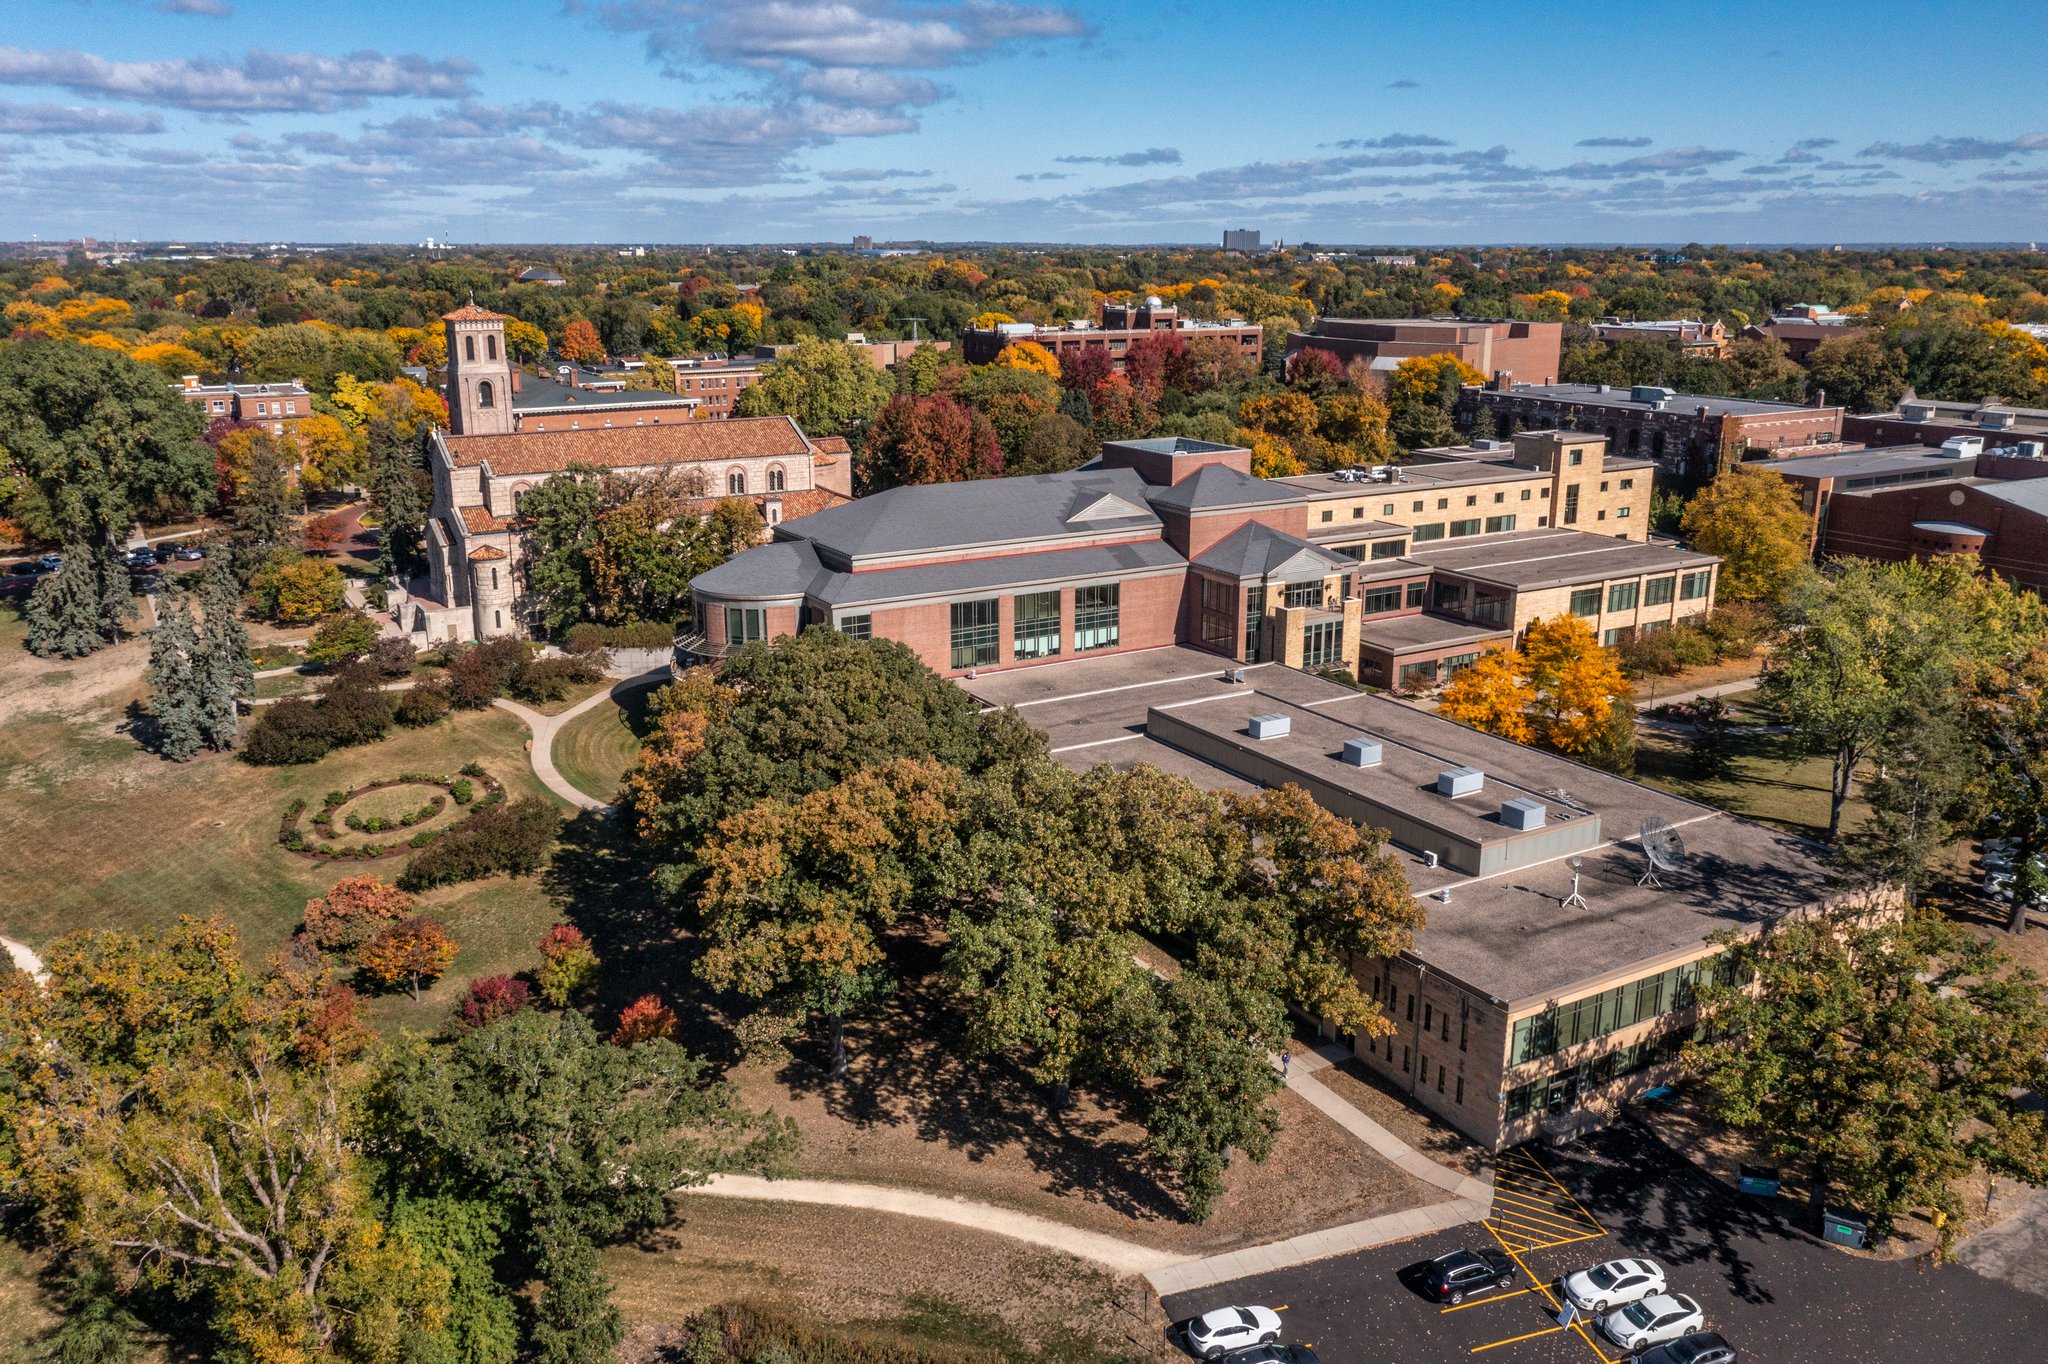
{"x":1961,"y":447}
{"x":1361,"y":752}
{"x":1916,"y":412}
{"x":1522,"y":813}
{"x":1459,"y":781}
{"x":1996,"y":419}
{"x":1270,"y":726}
{"x":1650,"y":393}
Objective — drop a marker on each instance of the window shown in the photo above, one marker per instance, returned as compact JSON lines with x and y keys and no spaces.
{"x":1600,"y":515}
{"x":1417,"y":506}
{"x":1460,"y":1096}
{"x":1254,"y":617}
{"x":1449,"y":596}
{"x":777,"y":479}
{"x":1095,"y":617}
{"x":1571,"y":505}
{"x":1603,"y":485}
{"x":1622,"y":596}
{"x":490,"y":347}
{"x":1442,"y":503}
{"x":1473,"y":500}
{"x":498,"y":619}
{"x":1355,"y":553}
{"x":494,"y":579}
{"x":1428,"y":1017}
{"x":1525,"y":494}
{"x":1411,"y":1019}
{"x":1470,"y":527}
{"x":1416,"y":591}
{"x":1657,"y":591}
{"x":977,"y":633}
{"x":1387,"y":510}
{"x":1379,"y":599}
{"x":736,"y":483}
{"x":1454,"y":665}
{"x":1329,"y":515}
{"x":1322,"y":644}
{"x":1627,"y":483}
{"x":1624,"y":1006}
{"x":1035,"y":625}
{"x":1390,"y":549}
{"x":1432,"y":531}
{"x":1358,"y":513}
{"x":1693,"y":586}
{"x":1618,"y":636}
{"x":1219,"y":599}
{"x":1621,"y":514}
{"x":1575,"y":458}
{"x":1495,"y":524}
{"x":469,"y":348}
{"x":1305,"y":594}
{"x":1586,"y":602}
{"x":1439,"y":1077}
{"x":1415,"y":676}
{"x":856,"y":627}
{"x":744,"y":625}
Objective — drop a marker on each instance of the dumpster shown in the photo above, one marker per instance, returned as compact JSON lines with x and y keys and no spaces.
{"x":1840,"y":1227}
{"x":1760,"y":1180}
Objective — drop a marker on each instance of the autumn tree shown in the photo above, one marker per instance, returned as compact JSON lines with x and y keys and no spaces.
{"x":928,"y":440}
{"x":410,"y":950}
{"x":1751,"y":518}
{"x":646,"y":1019}
{"x":321,"y":534}
{"x":1085,"y":370}
{"x":1891,"y":1057}
{"x":567,"y":964}
{"x":579,"y":343}
{"x":2004,"y":721}
{"x":342,"y":638}
{"x":1576,"y":681}
{"x":1422,"y":393}
{"x":1121,"y":411}
{"x":1028,"y":355}
{"x":354,"y":910}
{"x":1493,"y":695}
{"x":798,"y":893}
{"x":829,"y":387}
{"x":299,"y":591}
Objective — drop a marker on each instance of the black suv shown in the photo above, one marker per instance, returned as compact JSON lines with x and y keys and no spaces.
{"x":1454,"y":1277}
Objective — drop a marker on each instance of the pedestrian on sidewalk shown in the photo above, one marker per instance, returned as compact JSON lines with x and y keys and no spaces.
{"x":1286,"y":1059}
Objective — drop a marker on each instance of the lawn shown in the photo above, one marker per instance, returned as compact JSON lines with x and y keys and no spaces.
{"x":594,"y":750}
{"x":1769,"y":779}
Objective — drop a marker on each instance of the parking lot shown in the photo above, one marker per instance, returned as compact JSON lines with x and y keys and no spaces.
{"x":1778,"y":1296}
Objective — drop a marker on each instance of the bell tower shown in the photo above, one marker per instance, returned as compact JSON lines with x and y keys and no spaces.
{"x":479,"y":372}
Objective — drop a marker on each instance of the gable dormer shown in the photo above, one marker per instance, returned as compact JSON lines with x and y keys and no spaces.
{"x":1094,"y":506}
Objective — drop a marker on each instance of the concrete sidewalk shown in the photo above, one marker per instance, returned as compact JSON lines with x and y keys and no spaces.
{"x":544,"y":728}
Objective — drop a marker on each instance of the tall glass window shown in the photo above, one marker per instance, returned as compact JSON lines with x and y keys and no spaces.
{"x":1322,"y":644}
{"x":1434,"y":531}
{"x":1219,"y":612}
{"x":1657,"y":592}
{"x":1305,"y":594}
{"x":1622,"y":597}
{"x":1469,"y":526}
{"x":744,"y":625}
{"x":1035,"y":625}
{"x":1586,"y":602}
{"x":977,"y":633}
{"x":1254,"y":617}
{"x":1693,"y":586}
{"x":1496,"y":524}
{"x":1095,"y":617}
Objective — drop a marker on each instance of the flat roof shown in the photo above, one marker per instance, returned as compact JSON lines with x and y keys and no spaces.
{"x":1552,"y":558}
{"x":1507,"y":936}
{"x":1404,"y":634}
{"x":1590,"y":395}
{"x":1883,"y":459}
{"x":535,"y":392}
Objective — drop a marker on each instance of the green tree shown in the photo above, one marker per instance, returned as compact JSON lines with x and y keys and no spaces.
{"x":2004,"y":720}
{"x":342,"y":638}
{"x":96,"y":439}
{"x":1893,"y":1057}
{"x":398,"y":497}
{"x":175,"y":705}
{"x":80,"y":607}
{"x":829,"y":387}
{"x":1752,"y":519}
{"x":1213,"y":1098}
{"x":223,"y":673}
{"x":1858,"y":372}
{"x":1054,"y":443}
{"x":268,"y":507}
{"x":561,"y":534}
{"x":1921,"y":795}
{"x":575,"y":1320}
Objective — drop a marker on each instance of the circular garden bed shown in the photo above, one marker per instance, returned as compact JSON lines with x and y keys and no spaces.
{"x":389,"y":827}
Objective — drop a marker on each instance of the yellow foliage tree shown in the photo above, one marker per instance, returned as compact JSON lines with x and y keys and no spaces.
{"x":1751,"y":517}
{"x":1029,"y":355}
{"x":1493,"y":695}
{"x":1420,"y":378}
{"x":169,"y":358}
{"x":330,"y":454}
{"x":306,"y":590}
{"x":522,"y":339}
{"x":983,"y":321}
{"x":1576,"y":682}
{"x":1271,"y":456}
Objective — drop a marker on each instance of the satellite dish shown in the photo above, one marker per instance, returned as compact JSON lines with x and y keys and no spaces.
{"x":1575,"y":900}
{"x":1664,"y":849}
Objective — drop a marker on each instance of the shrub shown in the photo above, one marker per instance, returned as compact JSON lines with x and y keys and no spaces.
{"x":421,"y":839}
{"x":550,"y":679}
{"x":422,"y":705}
{"x":394,"y":657}
{"x":512,"y":837}
{"x":1738,"y":628}
{"x":645,"y":1019}
{"x":462,"y":791}
{"x":342,"y":638}
{"x":1691,"y":647}
{"x":492,"y":998}
{"x":1649,"y":655}
{"x":354,"y":711}
{"x":567,"y":963}
{"x":354,"y":911}
{"x":292,"y":731}
{"x":472,"y":769}
{"x":332,"y":799}
{"x":647,"y":634}
{"x":481,"y":672}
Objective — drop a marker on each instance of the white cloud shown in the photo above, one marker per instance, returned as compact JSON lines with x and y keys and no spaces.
{"x":57,"y":119}
{"x":262,"y":82}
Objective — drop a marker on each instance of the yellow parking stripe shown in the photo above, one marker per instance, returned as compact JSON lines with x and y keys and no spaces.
{"x":1566,"y":1192}
{"x":1547,"y":1331}
{"x":1550,"y":1221}
{"x":1567,"y":1241}
{"x":1483,"y":1302}
{"x":1549,"y":1297}
{"x":1549,"y":1211}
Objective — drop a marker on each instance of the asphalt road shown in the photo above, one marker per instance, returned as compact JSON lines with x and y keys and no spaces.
{"x":1779,"y":1297}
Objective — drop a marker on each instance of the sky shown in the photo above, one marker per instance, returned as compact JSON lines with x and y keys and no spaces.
{"x":706,"y":121}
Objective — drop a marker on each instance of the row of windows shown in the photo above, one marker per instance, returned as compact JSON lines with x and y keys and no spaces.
{"x":736,"y":481}
{"x":1624,"y":1006}
{"x":1585,"y":601}
{"x":1557,"y":1093}
{"x":977,"y":632}
{"x":490,"y":347}
{"x":1322,"y":644}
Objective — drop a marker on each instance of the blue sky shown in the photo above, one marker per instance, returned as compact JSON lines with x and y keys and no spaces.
{"x":1011,"y":120}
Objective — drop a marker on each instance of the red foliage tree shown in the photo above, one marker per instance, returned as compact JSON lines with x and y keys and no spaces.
{"x":355,"y":911}
{"x":1153,"y":363}
{"x":323,"y":533}
{"x":1086,"y":369}
{"x":1315,"y":370}
{"x":645,"y":1019}
{"x":411,"y":950}
{"x":579,"y":343}
{"x":333,"y":1028}
{"x":492,"y":998}
{"x":928,"y":440}
{"x":1121,"y":411}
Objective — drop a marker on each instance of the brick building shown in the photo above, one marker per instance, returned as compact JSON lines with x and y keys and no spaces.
{"x":1695,"y":340}
{"x":1802,"y":328}
{"x":275,"y":407}
{"x":1401,"y":579}
{"x":1122,"y":323}
{"x":1528,"y":350}
{"x":1689,"y":436}
{"x":1930,"y":421}
{"x":495,"y":453}
{"x":1991,"y":504}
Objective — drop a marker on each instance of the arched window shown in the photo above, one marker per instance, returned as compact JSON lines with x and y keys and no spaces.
{"x":736,"y":483}
{"x":491,"y":347}
{"x":469,"y":348}
{"x":776,"y":478}
{"x":484,"y":396}
{"x":498,"y":617}
{"x":520,"y":490}
{"x":494,"y":578}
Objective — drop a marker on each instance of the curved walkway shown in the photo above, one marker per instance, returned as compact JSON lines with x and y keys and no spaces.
{"x":544,"y":728}
{"x":25,"y":959}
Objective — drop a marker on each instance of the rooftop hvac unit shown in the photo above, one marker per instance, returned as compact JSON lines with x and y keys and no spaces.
{"x":1997,"y":420}
{"x":2031,"y":449}
{"x":1270,"y":726}
{"x":1361,"y":752}
{"x":1962,"y":447}
{"x":1460,"y":781}
{"x":1916,"y":412}
{"x":1522,"y":813}
{"x":1651,"y":393}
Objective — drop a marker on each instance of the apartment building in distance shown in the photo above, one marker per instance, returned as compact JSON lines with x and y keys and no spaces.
{"x":1527,"y":350}
{"x":276,"y":407}
{"x":715,"y":382}
{"x":1402,"y":577}
{"x":1803,"y":327}
{"x":1692,"y":339}
{"x":1689,"y":436}
{"x":1122,"y":323}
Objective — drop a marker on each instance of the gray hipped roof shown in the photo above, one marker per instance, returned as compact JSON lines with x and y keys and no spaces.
{"x":981,"y":514}
{"x":1256,"y":551}
{"x":788,"y":569}
{"x":1217,"y":486}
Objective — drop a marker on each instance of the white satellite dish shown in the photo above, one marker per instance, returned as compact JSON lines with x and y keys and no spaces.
{"x":1663,"y":848}
{"x":1575,"y":900}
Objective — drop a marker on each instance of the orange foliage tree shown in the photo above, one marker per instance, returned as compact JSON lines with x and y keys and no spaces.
{"x":579,"y":343}
{"x":644,"y":1020}
{"x":410,"y":950}
{"x":1029,"y":355}
{"x":323,"y":533}
{"x":1577,"y":682}
{"x":354,"y":911}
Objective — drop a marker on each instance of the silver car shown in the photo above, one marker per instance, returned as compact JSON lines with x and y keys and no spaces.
{"x":1612,"y":1284}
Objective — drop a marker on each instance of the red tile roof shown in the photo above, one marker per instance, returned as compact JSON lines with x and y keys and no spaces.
{"x":479,"y":521}
{"x":831,"y":445}
{"x":488,"y":552}
{"x":630,"y":447}
{"x":469,"y":312}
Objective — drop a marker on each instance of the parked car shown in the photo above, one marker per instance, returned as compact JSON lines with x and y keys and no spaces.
{"x":50,"y":563}
{"x":1611,"y":1284}
{"x":1273,"y":1354}
{"x":147,"y":583}
{"x":1701,"y":1347}
{"x":1654,"y":1320}
{"x":1215,"y":1334}
{"x":142,"y":556}
{"x":188,"y":553}
{"x":1454,"y":1277}
{"x":165,"y":552}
